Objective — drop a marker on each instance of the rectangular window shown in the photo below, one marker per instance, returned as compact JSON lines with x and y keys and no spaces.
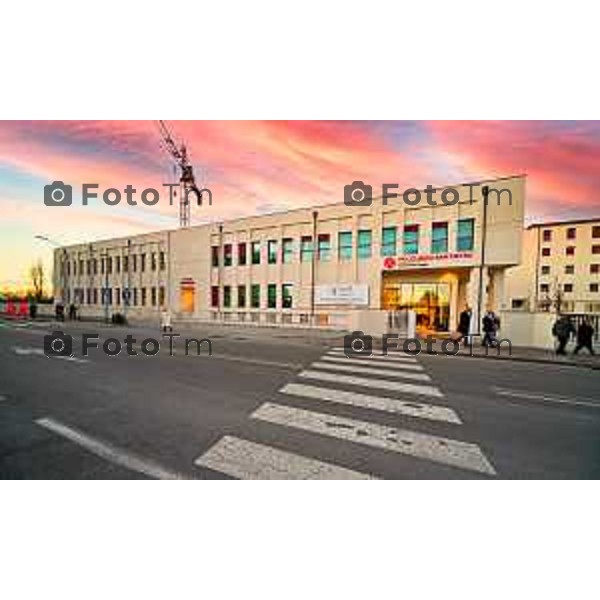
{"x":596,"y":231}
{"x":227,"y":296}
{"x":88,"y":296}
{"x":593,"y":287}
{"x":214,"y":296}
{"x":568,"y":288}
{"x":547,"y":235}
{"x":242,"y":253}
{"x":162,"y":261}
{"x":345,"y":245}
{"x":255,"y":295}
{"x":286,"y":295}
{"x":144,"y":295}
{"x":109,"y":295}
{"x":571,"y":233}
{"x":135,"y":296}
{"x":255,"y":253}
{"x":241,"y":298}
{"x":544,"y":288}
{"x":153,"y":295}
{"x":227,"y":255}
{"x":142,"y":262}
{"x":95,"y":293}
{"x":545,"y":251}
{"x":69,"y":267}
{"x":81,"y":266}
{"x":439,"y":238}
{"x":595,"y":249}
{"x":545,"y":270}
{"x":465,"y":235}
{"x":271,"y":296}
{"x":272,"y":252}
{"x":153,"y":260}
{"x":388,"y":241}
{"x":287,"y":251}
{"x":411,"y":239}
{"x":88,"y":267}
{"x":161,"y":295}
{"x":324,"y":247}
{"x":118,"y":264}
{"x":117,"y":295}
{"x":306,"y":248}
{"x":569,"y":269}
{"x":214,"y":256}
{"x":95,"y":266}
{"x":109,"y":265}
{"x":570,"y":250}
{"x":125,"y":264}
{"x":594,"y":269}
{"x":364,"y":240}
{"x":135,"y":263}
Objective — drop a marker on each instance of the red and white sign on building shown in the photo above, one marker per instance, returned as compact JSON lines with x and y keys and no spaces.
{"x":393,"y":262}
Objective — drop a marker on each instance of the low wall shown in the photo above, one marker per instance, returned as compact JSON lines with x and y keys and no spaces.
{"x":531,"y":329}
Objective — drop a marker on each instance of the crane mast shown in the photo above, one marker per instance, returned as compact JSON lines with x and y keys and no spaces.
{"x":187,"y":182}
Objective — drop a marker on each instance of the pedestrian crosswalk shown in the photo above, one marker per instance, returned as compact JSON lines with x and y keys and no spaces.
{"x":395,"y":385}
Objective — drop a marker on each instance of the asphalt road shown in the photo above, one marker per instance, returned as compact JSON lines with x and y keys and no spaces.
{"x":271,"y":404}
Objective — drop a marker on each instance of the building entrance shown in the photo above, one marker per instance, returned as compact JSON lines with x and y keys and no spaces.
{"x":430,"y":302}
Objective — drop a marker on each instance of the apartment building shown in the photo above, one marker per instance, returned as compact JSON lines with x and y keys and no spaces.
{"x":560,"y":268}
{"x":312,"y":265}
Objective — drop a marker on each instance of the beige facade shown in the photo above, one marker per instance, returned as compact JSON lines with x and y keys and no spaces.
{"x":314,"y":265}
{"x":560,"y":269}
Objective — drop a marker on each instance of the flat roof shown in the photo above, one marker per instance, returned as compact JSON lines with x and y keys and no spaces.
{"x":567,"y":222}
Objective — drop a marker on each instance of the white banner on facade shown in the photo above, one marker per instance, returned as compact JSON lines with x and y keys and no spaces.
{"x":342,"y":293}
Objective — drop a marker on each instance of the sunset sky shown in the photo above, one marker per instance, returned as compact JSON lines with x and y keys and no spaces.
{"x":265,"y":166}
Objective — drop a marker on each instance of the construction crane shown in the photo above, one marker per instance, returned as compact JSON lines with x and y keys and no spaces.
{"x":186,"y":180}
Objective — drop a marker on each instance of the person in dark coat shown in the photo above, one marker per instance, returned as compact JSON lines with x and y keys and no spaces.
{"x":585,"y":335}
{"x":72,"y":311}
{"x":464,"y":324}
{"x":489,"y":324}
{"x":562,"y":331}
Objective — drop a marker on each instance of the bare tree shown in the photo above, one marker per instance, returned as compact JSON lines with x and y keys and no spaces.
{"x":37,"y":275}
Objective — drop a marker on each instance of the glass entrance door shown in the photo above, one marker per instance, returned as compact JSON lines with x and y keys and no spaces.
{"x":430,"y":301}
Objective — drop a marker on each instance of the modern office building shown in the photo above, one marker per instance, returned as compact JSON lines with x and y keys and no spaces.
{"x":560,"y":269}
{"x":313,"y":265}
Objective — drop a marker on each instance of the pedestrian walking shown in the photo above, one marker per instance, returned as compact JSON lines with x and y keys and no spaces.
{"x":562,"y":330}
{"x":72,"y":312}
{"x":585,"y":336}
{"x":464,"y":325}
{"x":490,"y":324}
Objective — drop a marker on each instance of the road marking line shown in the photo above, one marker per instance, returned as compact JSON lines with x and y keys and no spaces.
{"x":375,"y":363}
{"x":371,"y":371}
{"x":545,"y":397}
{"x":419,"y":445}
{"x":382,"y":384}
{"x":109,"y":452}
{"x":248,"y":460}
{"x":391,"y":405}
{"x":390,"y":356}
{"x":39,"y":352}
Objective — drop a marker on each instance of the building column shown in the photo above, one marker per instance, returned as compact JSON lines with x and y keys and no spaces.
{"x":473,"y":296}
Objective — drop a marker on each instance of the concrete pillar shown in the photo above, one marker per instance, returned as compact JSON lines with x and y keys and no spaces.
{"x":473,"y":296}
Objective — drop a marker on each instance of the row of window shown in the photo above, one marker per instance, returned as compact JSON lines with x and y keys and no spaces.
{"x":568,"y":288}
{"x":570,"y":250}
{"x":121,"y":264}
{"x":570,"y":269}
{"x":345,"y":246}
{"x":242,"y":300}
{"x":571,"y":233}
{"x":151,"y":296}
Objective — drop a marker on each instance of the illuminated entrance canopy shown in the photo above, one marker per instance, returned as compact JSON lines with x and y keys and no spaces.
{"x":391,"y":262}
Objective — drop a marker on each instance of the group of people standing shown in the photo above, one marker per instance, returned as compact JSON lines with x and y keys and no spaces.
{"x":564,"y":329}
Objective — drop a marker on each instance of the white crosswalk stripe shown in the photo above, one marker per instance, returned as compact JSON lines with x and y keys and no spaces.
{"x":420,"y":445}
{"x":382,"y":384}
{"x":404,"y":384}
{"x":373,"y":363}
{"x":391,"y":405}
{"x":248,"y":460}
{"x":392,"y":357}
{"x":371,"y":371}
